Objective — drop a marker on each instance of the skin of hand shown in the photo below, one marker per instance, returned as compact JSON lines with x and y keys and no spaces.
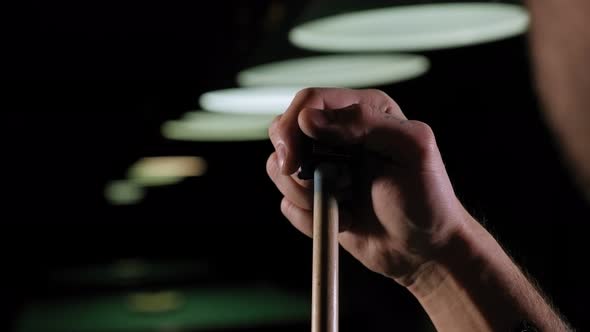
{"x":405,"y":210}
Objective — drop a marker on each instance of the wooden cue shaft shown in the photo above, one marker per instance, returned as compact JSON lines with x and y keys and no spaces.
{"x":324,"y":312}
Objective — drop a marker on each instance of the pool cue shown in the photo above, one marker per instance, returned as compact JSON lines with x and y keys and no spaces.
{"x":324,"y":312}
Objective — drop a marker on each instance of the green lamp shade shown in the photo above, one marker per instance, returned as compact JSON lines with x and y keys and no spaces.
{"x":254,"y":100}
{"x":123,"y":192}
{"x":420,"y":27}
{"x":165,"y":170}
{"x":221,"y":127}
{"x":348,"y":71}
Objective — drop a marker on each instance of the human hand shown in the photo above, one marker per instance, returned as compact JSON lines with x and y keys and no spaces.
{"x":404,"y":211}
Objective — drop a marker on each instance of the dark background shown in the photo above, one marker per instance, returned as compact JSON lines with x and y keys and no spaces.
{"x":87,"y":85}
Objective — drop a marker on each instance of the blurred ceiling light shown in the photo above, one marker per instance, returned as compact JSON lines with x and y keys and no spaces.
{"x":123,"y":192}
{"x":129,"y":269}
{"x":418,"y":27}
{"x":350,"y":71}
{"x":130,"y":272}
{"x":254,"y":100}
{"x":160,"y":171}
{"x":221,"y":127}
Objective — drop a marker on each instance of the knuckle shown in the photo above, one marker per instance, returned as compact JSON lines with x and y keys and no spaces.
{"x":306,"y":93}
{"x":382,"y":104}
{"x":377,"y":93}
{"x":380,"y":95}
{"x":423,"y":137}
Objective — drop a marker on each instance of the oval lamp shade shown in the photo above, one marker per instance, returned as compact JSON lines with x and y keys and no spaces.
{"x":218,"y":127}
{"x":420,"y":27}
{"x":349,"y":71}
{"x":253,"y":100}
{"x":123,"y":192}
{"x":165,"y":170}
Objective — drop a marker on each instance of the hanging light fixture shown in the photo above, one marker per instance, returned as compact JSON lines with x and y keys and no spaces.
{"x":165,"y":170}
{"x":255,"y":100}
{"x":218,"y":127}
{"x":349,"y":71}
{"x":123,"y":192}
{"x":412,"y":27}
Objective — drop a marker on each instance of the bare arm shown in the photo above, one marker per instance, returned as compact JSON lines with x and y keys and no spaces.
{"x":560,"y":42}
{"x":475,"y":286}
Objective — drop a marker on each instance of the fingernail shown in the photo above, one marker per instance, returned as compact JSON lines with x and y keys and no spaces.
{"x":281,"y":155}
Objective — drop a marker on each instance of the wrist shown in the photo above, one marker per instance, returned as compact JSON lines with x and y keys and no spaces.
{"x":465,"y":249}
{"x":472,"y":283}
{"x":461,"y":285}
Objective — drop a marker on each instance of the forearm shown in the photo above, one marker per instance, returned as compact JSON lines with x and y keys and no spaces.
{"x":560,"y":44}
{"x":475,"y":286}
